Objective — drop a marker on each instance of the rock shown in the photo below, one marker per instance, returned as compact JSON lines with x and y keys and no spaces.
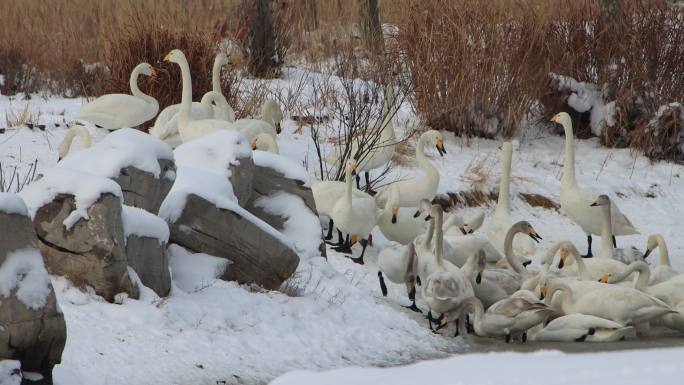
{"x":146,"y":239}
{"x":241,"y":176}
{"x":32,"y":328}
{"x":258,"y":253}
{"x":142,"y":189}
{"x":267,"y":181}
{"x":92,"y":252}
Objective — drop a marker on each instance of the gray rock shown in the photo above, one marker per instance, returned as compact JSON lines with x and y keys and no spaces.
{"x":93,"y":251}
{"x":256,"y":256}
{"x":242,"y":176}
{"x":147,"y":256}
{"x":35,"y":337}
{"x":141,"y":189}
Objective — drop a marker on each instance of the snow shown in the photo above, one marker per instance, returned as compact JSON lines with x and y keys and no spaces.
{"x":86,"y":188}
{"x":194,"y":271}
{"x":12,"y":204}
{"x":214,"y":152}
{"x":141,"y":223}
{"x":24,"y":270}
{"x":655,"y":366}
{"x":283,"y":165}
{"x":10,"y":372}
{"x":587,"y":97}
{"x":122,"y":148}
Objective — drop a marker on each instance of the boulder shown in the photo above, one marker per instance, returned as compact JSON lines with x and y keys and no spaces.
{"x":146,"y":239}
{"x":143,"y":189}
{"x":92,"y":252}
{"x":257,"y":252}
{"x":32,"y":327}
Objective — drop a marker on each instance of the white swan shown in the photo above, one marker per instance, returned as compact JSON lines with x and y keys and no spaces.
{"x":464,"y":243}
{"x":380,"y":145}
{"x":113,"y":111}
{"x":587,"y":269}
{"x":490,"y":285}
{"x":188,"y":128}
{"x":268,"y":123}
{"x":421,"y":187}
{"x":507,"y":318}
{"x":74,"y":132}
{"x":499,"y":223}
{"x":663,"y":271}
{"x":265,"y":142}
{"x":396,"y":262}
{"x":166,"y":125}
{"x":621,"y":304}
{"x":576,"y":201}
{"x":580,"y":328}
{"x":356,"y":216}
{"x":399,"y":224}
{"x":326,"y":194}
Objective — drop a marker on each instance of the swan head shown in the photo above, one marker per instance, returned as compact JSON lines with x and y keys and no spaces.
{"x":221,"y":59}
{"x":651,"y":244}
{"x":175,"y":56}
{"x":271,"y":113}
{"x":562,"y":118}
{"x":354,"y":239}
{"x":147,"y":70}
{"x":481,"y":261}
{"x":423,"y":205}
{"x":443,"y":285}
{"x":264,"y":142}
{"x":351,"y":167}
{"x":605,"y":278}
{"x":602,"y":200}
{"x":474,"y":223}
{"x":526,"y":228}
{"x":567,"y":248}
{"x":435,"y":138}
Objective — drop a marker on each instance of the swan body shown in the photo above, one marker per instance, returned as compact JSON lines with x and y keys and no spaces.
{"x":576,"y":200}
{"x":399,"y":224}
{"x":188,"y":128}
{"x":499,"y":223}
{"x":394,"y":261}
{"x":663,"y":271}
{"x":413,"y":190}
{"x":74,"y":132}
{"x":327,"y":193}
{"x":113,"y":111}
{"x":253,"y":127}
{"x":265,"y":142}
{"x":582,"y":327}
{"x":490,"y":285}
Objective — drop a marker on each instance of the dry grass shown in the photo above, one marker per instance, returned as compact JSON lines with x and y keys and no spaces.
{"x":537,"y":200}
{"x":23,"y":117}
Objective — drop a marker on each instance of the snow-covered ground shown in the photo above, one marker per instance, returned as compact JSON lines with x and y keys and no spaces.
{"x":209,"y":331}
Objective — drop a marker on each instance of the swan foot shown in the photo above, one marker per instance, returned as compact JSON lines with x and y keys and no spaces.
{"x":414,"y":307}
{"x":508,"y":338}
{"x":524,"y":337}
{"x":330,"y":231}
{"x":469,"y":326}
{"x":383,"y":287}
{"x":358,"y":260}
{"x":434,"y":320}
{"x":358,"y":182}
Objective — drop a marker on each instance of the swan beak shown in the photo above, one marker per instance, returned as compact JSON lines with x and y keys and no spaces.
{"x":593,"y":204}
{"x":478,"y":279}
{"x":167,"y":57}
{"x":440,"y":147}
{"x":463,"y":230}
{"x":254,"y":145}
{"x":527,"y":263}
{"x":278,"y":129}
{"x":428,"y":217}
{"x":354,"y":239}
{"x":553,"y":119}
{"x":563,"y":256}
{"x":417,"y":214}
{"x":535,"y":236}
{"x":394,"y":214}
{"x":604,"y":278}
{"x":647,"y":253}
{"x":352,"y":169}
{"x":542,"y":292}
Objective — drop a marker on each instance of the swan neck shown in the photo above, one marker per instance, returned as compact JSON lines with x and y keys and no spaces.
{"x":606,"y":233}
{"x":566,"y":293}
{"x":478,"y":314}
{"x":422,"y":160}
{"x":583,"y":272}
{"x":662,"y":250}
{"x":504,"y":201}
{"x":569,"y":162}
{"x":427,"y":240}
{"x":186,"y":96}
{"x":508,"y":252}
{"x":71,"y":134}
{"x":348,"y":188}
{"x":135,"y":90}
{"x":439,"y":236}
{"x":216,"y":76}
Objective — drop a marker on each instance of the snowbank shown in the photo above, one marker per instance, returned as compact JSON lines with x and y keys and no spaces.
{"x":289,"y":168}
{"x":12,"y":204}
{"x":86,"y":188}
{"x":139,"y":222}
{"x":10,"y":371}
{"x":214,"y":153}
{"x":24,"y":270}
{"x":586,"y":97}
{"x":193,"y":271}
{"x":122,"y":148}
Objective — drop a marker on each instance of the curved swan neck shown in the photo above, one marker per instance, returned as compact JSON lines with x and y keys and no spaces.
{"x":566,"y":293}
{"x":569,"y":162}
{"x":662,"y":250}
{"x":583,"y":272}
{"x":638,"y":267}
{"x":135,"y":90}
{"x":427,"y":240}
{"x":422,"y":160}
{"x":606,"y":233}
{"x":478,"y":314}
{"x":184,"y":115}
{"x":508,"y":252}
{"x":71,"y":134}
{"x":547,"y":259}
{"x":504,"y":201}
{"x":216,"y":75}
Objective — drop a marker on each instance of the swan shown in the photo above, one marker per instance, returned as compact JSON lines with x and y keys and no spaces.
{"x":576,"y":200}
{"x":356,"y":216}
{"x":587,"y":269}
{"x":621,"y":304}
{"x":446,"y":286}
{"x":671,"y":291}
{"x":399,"y":224}
{"x":326,"y":194}
{"x":663,"y":271}
{"x":464,"y":243}
{"x":425,"y":245}
{"x":499,"y":223}
{"x":265,"y":142}
{"x":396,"y":262}
{"x":76,"y":131}
{"x":188,"y":128}
{"x":580,"y":328}
{"x":413,"y":190}
{"x":166,"y":125}
{"x":507,"y":317}
{"x":522,"y":227}
{"x":640,"y":282}
{"x":113,"y":111}
{"x":475,"y":222}
{"x":379,"y":145}
{"x":490,"y":285}
{"x":269,"y":123}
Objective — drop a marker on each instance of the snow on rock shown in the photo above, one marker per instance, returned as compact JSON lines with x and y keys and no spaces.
{"x":12,"y":204}
{"x":193,"y":271}
{"x":286,"y":166}
{"x":586,"y":97}
{"x":86,"y":188}
{"x":24,"y":270}
{"x":122,"y":148}
{"x":141,"y":223}
{"x":214,"y":152}
{"x":10,"y":372}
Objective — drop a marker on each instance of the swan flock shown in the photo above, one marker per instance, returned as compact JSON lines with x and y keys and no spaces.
{"x":450,"y":273}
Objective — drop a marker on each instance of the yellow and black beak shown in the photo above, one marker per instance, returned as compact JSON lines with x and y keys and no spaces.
{"x":535,"y":236}
{"x":563,"y":257}
{"x":395,"y":210}
{"x":354,"y":239}
{"x":254,"y":145}
{"x":554,"y":118}
{"x":604,"y":278}
{"x":542,"y":292}
{"x":167,"y":57}
{"x":647,"y":253}
{"x":353,"y":170}
{"x":478,"y":279}
{"x":440,"y":147}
